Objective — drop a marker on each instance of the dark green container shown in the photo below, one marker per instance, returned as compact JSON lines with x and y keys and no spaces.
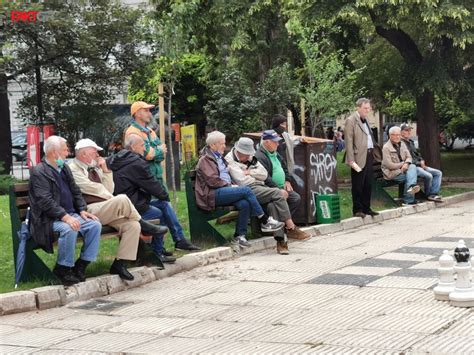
{"x":328,"y":208}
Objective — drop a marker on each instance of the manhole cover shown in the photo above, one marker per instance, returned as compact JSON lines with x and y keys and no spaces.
{"x":102,"y":305}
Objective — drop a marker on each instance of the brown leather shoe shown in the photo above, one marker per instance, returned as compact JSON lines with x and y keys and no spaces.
{"x":359,"y":214}
{"x":282,"y":247}
{"x":297,"y":234}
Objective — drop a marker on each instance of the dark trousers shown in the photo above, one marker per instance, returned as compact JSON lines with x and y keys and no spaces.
{"x":362,"y":186}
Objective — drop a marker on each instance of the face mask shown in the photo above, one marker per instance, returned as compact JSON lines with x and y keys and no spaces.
{"x":279,"y":129}
{"x":60,"y":163}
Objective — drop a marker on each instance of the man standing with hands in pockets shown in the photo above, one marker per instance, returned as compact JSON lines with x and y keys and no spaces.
{"x":359,"y":156}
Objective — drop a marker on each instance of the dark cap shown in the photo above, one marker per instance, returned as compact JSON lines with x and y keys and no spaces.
{"x":405,"y":127}
{"x":270,"y":134}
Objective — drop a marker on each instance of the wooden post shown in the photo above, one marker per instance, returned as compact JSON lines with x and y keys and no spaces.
{"x":161,"y":105}
{"x":303,"y":117}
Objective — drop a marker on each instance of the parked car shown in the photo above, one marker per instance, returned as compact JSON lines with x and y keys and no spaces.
{"x":19,"y":147}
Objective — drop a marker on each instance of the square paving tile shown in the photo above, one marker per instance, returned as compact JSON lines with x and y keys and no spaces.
{"x":366,"y":270}
{"x":379,"y":262}
{"x":377,"y":339}
{"x":410,"y":324}
{"x":153,"y":325}
{"x":404,"y":282}
{"x":404,"y":256}
{"x":444,"y":344}
{"x":424,"y":251}
{"x":217,"y":329}
{"x":105,"y":341}
{"x":416,"y":272}
{"x":92,"y":322}
{"x":40,"y":337}
{"x":344,"y":279}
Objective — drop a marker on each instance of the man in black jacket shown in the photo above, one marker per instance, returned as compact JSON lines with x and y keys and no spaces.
{"x":132,"y":176}
{"x":57,"y":206}
{"x":278,"y":175}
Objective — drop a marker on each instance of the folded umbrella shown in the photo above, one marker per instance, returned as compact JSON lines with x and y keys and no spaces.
{"x":23,"y":235}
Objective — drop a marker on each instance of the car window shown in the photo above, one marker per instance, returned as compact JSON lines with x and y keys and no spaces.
{"x":18,"y":140}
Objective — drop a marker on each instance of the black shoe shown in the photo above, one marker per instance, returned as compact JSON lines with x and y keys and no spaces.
{"x":151,"y":229}
{"x":371,"y":213}
{"x":167,"y":253}
{"x":80,"y":269}
{"x":65,"y":275}
{"x":119,"y":268}
{"x":167,"y":259}
{"x":359,"y":214}
{"x":184,"y":244}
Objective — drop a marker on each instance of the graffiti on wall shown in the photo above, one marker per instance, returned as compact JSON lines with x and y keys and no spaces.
{"x":322,"y":171}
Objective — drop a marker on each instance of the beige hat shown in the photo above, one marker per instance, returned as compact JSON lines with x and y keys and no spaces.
{"x":137,"y":105}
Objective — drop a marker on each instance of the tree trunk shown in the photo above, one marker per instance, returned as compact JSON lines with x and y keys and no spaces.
{"x":5,"y":129}
{"x":428,"y":129}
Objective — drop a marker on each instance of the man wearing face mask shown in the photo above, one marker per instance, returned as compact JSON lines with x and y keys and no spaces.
{"x":97,"y":185}
{"x":57,"y":206}
{"x":286,"y":147}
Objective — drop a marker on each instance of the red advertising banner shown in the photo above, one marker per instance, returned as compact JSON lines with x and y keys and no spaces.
{"x":48,"y":130}
{"x":33,"y":152}
{"x":177,"y":130}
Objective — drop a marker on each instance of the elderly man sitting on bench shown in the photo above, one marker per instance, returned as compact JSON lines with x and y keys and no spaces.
{"x":214,"y":188}
{"x":57,"y":206}
{"x":397,"y":165}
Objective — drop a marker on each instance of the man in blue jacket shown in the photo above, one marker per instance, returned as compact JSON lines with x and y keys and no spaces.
{"x":57,"y":205}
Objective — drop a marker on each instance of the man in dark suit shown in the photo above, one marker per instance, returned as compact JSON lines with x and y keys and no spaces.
{"x":360,"y":145}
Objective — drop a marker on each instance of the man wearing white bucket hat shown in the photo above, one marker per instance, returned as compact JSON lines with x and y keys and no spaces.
{"x":245,"y":170}
{"x":96,"y":182}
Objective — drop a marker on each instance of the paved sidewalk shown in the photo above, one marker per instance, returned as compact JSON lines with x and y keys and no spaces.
{"x":357,"y":291}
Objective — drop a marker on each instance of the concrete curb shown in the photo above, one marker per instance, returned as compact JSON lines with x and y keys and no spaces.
{"x":54,"y":296}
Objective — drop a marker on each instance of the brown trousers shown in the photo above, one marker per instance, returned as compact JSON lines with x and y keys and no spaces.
{"x":119,"y":213}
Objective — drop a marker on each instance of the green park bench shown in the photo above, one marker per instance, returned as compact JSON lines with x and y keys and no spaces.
{"x":202,"y":231}
{"x":35,"y":268}
{"x":379,"y":184}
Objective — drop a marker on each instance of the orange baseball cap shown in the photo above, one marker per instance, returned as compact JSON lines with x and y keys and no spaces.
{"x":137,"y":105}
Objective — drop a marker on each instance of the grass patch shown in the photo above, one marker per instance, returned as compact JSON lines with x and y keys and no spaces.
{"x":458,"y":163}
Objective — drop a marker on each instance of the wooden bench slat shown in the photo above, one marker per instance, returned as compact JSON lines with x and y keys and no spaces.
{"x":20,"y":187}
{"x":22,"y":201}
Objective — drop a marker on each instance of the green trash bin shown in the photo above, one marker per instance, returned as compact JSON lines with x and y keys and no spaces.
{"x":328,"y":208}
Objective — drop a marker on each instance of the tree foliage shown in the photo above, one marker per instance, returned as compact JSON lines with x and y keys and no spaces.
{"x":74,"y":61}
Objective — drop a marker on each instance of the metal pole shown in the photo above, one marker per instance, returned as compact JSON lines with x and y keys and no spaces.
{"x":161,"y":105}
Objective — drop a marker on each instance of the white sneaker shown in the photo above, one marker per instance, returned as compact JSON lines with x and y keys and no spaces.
{"x":413,"y":189}
{"x":241,"y":240}
{"x":272,"y":225}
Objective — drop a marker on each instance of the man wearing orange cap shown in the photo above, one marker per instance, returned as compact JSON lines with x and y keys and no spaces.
{"x":155,"y":153}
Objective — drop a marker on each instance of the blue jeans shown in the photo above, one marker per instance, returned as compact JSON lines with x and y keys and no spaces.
{"x":243,"y":199}
{"x":409,"y":178}
{"x":431,"y":179}
{"x":163,"y":211}
{"x":90,"y":231}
